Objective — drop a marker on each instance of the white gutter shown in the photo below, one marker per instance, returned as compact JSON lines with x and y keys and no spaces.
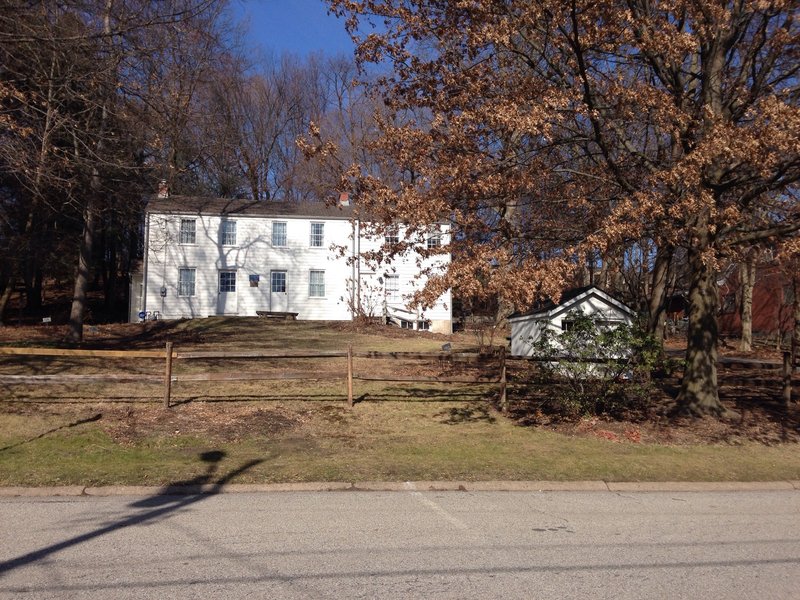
{"x":145,"y":263}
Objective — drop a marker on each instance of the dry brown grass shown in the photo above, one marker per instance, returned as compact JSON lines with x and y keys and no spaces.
{"x":302,"y":430}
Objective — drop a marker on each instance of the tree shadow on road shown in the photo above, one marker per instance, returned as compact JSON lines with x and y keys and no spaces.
{"x":169,"y":499}
{"x":92,"y":419}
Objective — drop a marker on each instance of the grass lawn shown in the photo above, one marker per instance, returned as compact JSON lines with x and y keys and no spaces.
{"x":326,"y":441}
{"x":278,"y":431}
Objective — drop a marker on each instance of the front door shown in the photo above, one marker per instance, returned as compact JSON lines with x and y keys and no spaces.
{"x":278,"y":294}
{"x":227,"y":299}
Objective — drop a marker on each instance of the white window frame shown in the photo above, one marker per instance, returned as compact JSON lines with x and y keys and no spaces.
{"x":219,"y":282}
{"x":392,"y":235}
{"x":314,"y":288}
{"x":182,"y":284}
{"x":183,"y":235}
{"x":316,"y":239}
{"x":272,"y":282}
{"x":227,"y":240}
{"x":392,"y":290}
{"x":285,"y":234}
{"x":434,"y":240}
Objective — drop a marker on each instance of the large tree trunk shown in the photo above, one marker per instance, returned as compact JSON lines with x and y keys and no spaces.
{"x":110,"y":284}
{"x":747,"y":279}
{"x":6,"y":296}
{"x":796,"y":307}
{"x":33,"y":286}
{"x":658,"y":294}
{"x":80,"y":295}
{"x":699,"y":393}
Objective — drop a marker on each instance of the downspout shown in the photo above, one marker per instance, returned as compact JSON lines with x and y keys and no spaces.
{"x":357,"y":263}
{"x":353,"y":294}
{"x":146,"y":261}
{"x":164,"y":272}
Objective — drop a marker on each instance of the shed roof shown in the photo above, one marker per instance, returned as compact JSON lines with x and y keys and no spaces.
{"x":569,"y":298}
{"x":197,"y":205}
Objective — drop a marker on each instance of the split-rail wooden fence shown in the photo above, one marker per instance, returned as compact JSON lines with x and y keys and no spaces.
{"x":492,"y":368}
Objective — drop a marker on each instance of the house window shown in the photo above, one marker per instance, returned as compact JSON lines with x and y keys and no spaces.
{"x":317,"y":235}
{"x":392,"y":286}
{"x":278,"y":233}
{"x":278,"y":281}
{"x":229,"y":233}
{"x":316,"y":284}
{"x":392,"y":235}
{"x":227,"y":281}
{"x":186,"y":279}
{"x":188,"y":231}
{"x":434,"y":240}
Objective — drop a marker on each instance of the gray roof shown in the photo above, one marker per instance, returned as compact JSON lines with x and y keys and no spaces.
{"x":195,"y":205}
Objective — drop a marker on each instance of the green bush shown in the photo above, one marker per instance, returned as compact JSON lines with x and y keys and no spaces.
{"x":598,"y":369}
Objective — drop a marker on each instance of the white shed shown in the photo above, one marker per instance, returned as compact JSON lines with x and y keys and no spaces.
{"x":527,"y":328}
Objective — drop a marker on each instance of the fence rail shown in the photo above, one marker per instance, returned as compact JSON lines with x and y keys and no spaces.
{"x":493,"y":368}
{"x":169,"y":355}
{"x":83,"y":353}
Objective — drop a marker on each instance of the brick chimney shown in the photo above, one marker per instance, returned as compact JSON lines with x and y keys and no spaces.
{"x":163,"y":189}
{"x":344,"y":199}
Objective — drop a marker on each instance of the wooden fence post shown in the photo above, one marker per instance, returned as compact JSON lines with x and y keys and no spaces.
{"x":168,"y":376}
{"x":787,"y":379}
{"x":503,"y":395}
{"x":350,"y":375}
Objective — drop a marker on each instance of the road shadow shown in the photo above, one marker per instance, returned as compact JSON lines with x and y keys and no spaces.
{"x":167,"y":500}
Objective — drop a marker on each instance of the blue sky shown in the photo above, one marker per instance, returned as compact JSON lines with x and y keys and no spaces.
{"x":299,"y":27}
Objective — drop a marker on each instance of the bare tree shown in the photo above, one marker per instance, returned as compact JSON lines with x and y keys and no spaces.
{"x":75,"y":86}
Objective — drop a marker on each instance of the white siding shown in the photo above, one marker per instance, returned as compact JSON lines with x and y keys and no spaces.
{"x":524,"y":333}
{"x":410,"y":280}
{"x":254,"y":255}
{"x":526,"y":330}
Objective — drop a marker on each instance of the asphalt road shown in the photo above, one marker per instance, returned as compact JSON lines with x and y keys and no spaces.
{"x":404,"y":544}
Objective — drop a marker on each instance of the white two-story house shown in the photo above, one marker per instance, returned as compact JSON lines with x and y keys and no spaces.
{"x":205,"y":257}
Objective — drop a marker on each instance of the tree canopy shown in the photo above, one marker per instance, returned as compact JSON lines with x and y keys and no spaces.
{"x":548,"y":131}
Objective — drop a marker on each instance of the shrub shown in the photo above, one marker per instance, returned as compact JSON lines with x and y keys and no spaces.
{"x":601,"y":369}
